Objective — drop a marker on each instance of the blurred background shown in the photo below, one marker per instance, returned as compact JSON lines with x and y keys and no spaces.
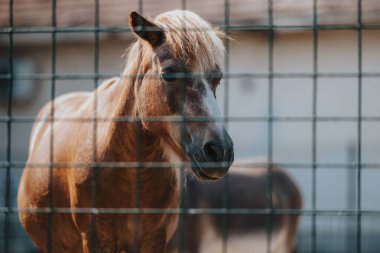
{"x":281,"y":66}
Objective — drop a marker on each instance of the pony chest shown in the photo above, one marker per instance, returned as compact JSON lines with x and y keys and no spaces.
{"x":137,"y":188}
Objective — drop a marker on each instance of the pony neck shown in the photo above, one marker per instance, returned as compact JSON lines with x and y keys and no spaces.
{"x":126,"y":139}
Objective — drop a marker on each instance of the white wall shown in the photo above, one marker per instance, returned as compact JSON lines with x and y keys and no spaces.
{"x":292,"y":97}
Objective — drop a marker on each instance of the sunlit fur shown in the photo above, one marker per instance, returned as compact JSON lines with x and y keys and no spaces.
{"x":116,"y":142}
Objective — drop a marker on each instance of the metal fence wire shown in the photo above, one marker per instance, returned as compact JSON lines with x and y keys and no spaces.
{"x":270,"y":30}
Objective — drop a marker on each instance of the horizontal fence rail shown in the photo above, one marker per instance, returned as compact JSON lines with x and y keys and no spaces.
{"x":9,"y":118}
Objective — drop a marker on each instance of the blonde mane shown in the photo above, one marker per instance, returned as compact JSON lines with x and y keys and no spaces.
{"x":192,"y":39}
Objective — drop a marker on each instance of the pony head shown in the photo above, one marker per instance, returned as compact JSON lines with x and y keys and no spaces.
{"x":176,"y":64}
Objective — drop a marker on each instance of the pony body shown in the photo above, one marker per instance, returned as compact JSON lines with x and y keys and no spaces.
{"x":87,"y":153}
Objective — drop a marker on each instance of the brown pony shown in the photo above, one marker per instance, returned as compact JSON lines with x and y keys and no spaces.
{"x":172,"y":70}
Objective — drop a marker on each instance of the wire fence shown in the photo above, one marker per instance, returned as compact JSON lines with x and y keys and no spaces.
{"x":270,"y":76}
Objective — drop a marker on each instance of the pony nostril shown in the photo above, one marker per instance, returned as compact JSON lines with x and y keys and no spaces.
{"x":213,"y":152}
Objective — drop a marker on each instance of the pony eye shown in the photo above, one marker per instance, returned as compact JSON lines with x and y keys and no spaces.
{"x":169,"y":75}
{"x":216,"y":78}
{"x":216,"y":81}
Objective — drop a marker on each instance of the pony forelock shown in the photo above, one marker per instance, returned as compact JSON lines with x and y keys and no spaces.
{"x":192,"y":39}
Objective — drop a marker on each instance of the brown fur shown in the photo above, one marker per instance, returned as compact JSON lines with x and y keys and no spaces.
{"x":73,"y":143}
{"x":72,"y":186}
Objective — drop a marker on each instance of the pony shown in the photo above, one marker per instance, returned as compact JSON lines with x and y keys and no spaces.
{"x":82,"y":142}
{"x":247,"y":188}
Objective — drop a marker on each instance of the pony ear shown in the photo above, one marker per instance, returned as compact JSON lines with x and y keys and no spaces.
{"x":146,"y":29}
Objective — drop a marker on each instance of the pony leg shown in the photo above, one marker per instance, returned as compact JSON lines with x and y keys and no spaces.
{"x":156,"y":244}
{"x":98,"y":236}
{"x":98,"y":246}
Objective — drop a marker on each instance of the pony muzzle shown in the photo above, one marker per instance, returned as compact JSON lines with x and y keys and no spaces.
{"x":212,"y":157}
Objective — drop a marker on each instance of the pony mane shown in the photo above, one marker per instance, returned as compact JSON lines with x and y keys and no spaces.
{"x":192,"y":38}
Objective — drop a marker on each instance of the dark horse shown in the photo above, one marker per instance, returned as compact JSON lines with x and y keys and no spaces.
{"x":173,"y":70}
{"x":247,"y":188}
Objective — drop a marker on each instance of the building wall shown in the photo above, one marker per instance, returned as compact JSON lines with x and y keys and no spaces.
{"x":337,"y":95}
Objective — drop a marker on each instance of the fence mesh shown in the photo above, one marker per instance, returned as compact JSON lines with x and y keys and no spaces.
{"x":311,"y":213}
